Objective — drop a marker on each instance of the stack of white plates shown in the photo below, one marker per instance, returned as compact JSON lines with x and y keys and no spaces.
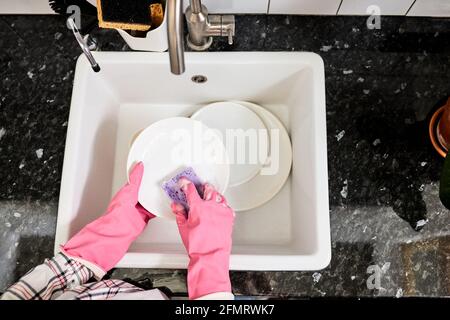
{"x":239,"y":147}
{"x":252,"y":183}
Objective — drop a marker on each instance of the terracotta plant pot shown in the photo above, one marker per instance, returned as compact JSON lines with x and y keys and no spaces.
{"x":439,"y":129}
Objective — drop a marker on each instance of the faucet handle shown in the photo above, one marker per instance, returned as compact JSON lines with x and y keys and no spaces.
{"x":230,"y":37}
{"x":85,"y":43}
{"x":229,"y":26}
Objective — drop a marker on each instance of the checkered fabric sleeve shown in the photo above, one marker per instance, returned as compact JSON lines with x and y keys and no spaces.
{"x":49,"y":280}
{"x":64,"y":278}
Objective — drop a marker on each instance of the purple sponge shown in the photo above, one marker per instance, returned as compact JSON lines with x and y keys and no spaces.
{"x":174,"y":191}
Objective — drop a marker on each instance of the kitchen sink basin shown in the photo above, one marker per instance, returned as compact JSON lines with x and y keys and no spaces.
{"x":135,"y":89}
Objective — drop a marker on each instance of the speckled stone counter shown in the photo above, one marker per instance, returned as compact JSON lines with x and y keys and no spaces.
{"x":386,"y":218}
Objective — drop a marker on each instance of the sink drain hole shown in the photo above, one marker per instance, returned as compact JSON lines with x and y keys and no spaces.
{"x":199,"y":79}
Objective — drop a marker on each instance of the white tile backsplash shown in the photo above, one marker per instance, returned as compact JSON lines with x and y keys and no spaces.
{"x":25,"y":7}
{"x":234,"y":6}
{"x":426,"y":8}
{"x":387,"y":7}
{"x":430,"y":8}
{"x":326,"y":7}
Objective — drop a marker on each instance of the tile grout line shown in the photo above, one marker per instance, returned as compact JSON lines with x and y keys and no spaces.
{"x":410,"y":7}
{"x":268,"y":7}
{"x":339,"y":8}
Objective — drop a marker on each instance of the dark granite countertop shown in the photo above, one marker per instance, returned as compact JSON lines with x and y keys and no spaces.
{"x":386,"y":216}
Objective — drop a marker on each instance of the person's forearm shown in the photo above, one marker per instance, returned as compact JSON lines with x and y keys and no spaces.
{"x":206,"y":233}
{"x":208,"y":275}
{"x":102,"y":243}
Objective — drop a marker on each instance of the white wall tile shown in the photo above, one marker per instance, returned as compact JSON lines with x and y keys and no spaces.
{"x":430,"y":8}
{"x":326,"y":7}
{"x":387,"y":7}
{"x":234,"y":6}
{"x":25,"y":7}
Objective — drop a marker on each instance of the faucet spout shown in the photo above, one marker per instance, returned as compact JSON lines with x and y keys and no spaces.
{"x":196,"y":6}
{"x":201,"y":30}
{"x":175,"y":36}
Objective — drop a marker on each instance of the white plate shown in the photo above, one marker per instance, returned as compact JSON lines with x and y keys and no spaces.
{"x":170,"y":145}
{"x":263,"y":188}
{"x":244,"y":135}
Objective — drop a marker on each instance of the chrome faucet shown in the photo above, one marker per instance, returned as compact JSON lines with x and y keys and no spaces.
{"x":201,"y":30}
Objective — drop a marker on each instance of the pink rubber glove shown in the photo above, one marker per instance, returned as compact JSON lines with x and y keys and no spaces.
{"x":206,"y":234}
{"x":103,"y":242}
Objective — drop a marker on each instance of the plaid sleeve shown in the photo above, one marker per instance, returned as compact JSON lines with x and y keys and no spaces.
{"x":49,"y":280}
{"x":101,"y":290}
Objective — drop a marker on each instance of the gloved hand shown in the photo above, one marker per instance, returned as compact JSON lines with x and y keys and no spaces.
{"x":103,"y":242}
{"x":206,"y":233}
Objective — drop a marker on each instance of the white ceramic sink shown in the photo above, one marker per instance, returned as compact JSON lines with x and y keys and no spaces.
{"x":133,"y":90}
